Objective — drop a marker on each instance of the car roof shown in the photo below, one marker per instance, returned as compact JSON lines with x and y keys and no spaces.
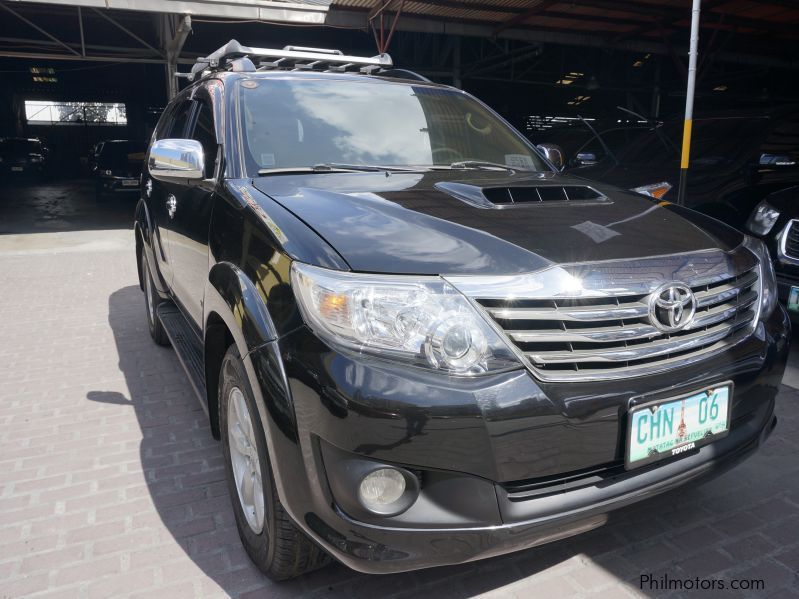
{"x":300,"y":75}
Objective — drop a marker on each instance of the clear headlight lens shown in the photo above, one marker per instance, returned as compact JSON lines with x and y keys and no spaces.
{"x":763,"y":219}
{"x":654,"y":190}
{"x":768,"y":281}
{"x":420,"y":320}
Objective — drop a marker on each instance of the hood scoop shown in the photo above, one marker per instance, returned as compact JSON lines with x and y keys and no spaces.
{"x":501,"y":196}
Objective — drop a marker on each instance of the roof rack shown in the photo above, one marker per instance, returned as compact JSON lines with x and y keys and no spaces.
{"x":233,"y":56}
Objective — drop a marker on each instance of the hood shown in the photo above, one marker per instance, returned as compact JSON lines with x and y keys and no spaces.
{"x":441,"y":222}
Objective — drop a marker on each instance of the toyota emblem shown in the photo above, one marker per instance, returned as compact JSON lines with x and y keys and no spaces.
{"x":672,"y":307}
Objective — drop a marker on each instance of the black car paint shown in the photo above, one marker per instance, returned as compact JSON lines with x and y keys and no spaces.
{"x":403,"y":223}
{"x":501,"y":432}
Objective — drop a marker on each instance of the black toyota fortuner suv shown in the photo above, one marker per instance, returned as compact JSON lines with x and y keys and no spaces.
{"x":418,"y":343}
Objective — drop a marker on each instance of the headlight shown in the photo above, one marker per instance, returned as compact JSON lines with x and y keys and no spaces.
{"x":655,"y":190}
{"x":762,"y":220}
{"x":419,"y":320}
{"x":108,"y":173}
{"x":768,"y":282}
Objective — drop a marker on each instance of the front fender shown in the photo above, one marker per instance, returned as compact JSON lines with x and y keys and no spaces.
{"x":233,"y":296}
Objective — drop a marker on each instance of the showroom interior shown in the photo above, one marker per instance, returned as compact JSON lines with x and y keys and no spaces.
{"x":111,"y":483}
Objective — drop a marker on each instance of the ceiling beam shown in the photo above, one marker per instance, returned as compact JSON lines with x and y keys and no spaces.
{"x":446,"y":26}
{"x":132,"y":35}
{"x":259,"y":10}
{"x":539,"y":7}
{"x":37,"y":28}
{"x":89,"y":58}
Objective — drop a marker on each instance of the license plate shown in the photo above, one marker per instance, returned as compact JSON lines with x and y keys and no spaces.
{"x":793,"y":299}
{"x":129,"y":183}
{"x":665,"y":428}
{"x":17,"y":169}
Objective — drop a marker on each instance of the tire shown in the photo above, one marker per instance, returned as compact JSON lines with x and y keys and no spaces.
{"x":151,"y":302}
{"x":273,"y":542}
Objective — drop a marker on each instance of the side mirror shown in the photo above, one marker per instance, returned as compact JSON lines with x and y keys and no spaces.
{"x":585,"y":159}
{"x":554,"y":154}
{"x":176,"y":159}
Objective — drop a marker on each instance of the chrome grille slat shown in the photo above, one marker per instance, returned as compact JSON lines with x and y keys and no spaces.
{"x":660,"y":347}
{"x":608,"y":334}
{"x":726,"y":292}
{"x":632,"y":310}
{"x":607,"y":331}
{"x":790,"y":241}
{"x":722,"y":311}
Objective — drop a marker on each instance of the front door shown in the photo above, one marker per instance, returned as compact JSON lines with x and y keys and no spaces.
{"x":160,"y":195}
{"x":191,"y":207}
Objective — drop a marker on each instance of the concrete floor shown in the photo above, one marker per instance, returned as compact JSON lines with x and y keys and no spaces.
{"x":111,"y":485}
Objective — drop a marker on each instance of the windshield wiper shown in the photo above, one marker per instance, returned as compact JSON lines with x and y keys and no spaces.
{"x":482,"y":164}
{"x":337,"y":167}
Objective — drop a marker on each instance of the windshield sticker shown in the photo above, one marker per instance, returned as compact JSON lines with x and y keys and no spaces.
{"x":519,"y":161}
{"x":267,"y":159}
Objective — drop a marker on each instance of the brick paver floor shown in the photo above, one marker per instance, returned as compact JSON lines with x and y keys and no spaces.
{"x":111,"y":485}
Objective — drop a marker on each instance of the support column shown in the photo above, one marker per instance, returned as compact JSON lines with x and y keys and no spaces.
{"x":456,"y":63}
{"x":173,"y":40}
{"x":689,"y":103}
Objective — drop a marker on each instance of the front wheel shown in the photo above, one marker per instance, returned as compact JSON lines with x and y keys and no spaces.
{"x":273,"y":542}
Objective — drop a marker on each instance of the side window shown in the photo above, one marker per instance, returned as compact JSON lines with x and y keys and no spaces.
{"x":204,"y":133}
{"x":176,"y":126}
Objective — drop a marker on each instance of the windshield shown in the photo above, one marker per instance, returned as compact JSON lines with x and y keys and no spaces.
{"x":20,"y":147}
{"x":121,"y":152}
{"x":294,"y":123}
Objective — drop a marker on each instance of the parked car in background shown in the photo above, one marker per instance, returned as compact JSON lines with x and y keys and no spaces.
{"x":775,"y":220}
{"x":736,"y":160}
{"x":23,"y":157}
{"x":117,"y":166}
{"x":420,"y":344}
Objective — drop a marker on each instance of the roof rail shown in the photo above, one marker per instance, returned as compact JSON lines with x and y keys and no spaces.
{"x":293,"y":58}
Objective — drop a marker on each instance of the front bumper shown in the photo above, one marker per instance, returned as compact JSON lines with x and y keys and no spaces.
{"x":506,"y":462}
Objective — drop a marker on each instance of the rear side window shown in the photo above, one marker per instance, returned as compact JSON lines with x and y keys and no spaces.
{"x":205,"y":134}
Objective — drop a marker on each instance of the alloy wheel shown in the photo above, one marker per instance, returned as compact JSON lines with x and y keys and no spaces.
{"x":244,"y":459}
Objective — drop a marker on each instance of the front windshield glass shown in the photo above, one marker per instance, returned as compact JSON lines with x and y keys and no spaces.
{"x":121,"y":152}
{"x":20,"y":147}
{"x":291,"y":123}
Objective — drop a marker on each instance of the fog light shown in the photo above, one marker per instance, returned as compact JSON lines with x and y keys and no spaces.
{"x":381,"y":489}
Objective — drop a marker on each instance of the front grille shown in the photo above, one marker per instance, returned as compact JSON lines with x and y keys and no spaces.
{"x":791,"y":247}
{"x":601,"y":337}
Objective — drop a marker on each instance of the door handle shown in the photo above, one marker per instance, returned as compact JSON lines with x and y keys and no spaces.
{"x":171,"y":205}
